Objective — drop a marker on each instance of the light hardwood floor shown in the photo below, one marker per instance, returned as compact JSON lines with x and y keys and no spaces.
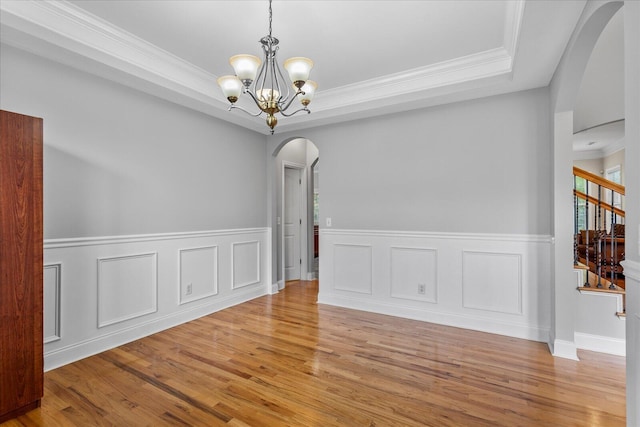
{"x":283,"y":360}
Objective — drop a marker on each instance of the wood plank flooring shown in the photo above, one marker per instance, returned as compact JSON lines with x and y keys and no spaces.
{"x":283,"y":360}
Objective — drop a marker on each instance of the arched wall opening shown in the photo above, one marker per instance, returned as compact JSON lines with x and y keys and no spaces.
{"x":294,"y":154}
{"x":565,"y":88}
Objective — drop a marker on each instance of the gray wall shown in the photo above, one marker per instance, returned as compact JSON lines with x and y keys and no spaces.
{"x":477,"y":166}
{"x":120,"y":162}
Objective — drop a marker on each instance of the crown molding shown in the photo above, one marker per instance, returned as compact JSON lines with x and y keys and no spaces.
{"x":67,"y":26}
{"x":513,"y":21}
{"x":456,"y":71}
{"x":63,"y":32}
{"x":588,"y":155}
{"x":614,"y":148}
{"x":601,"y":153}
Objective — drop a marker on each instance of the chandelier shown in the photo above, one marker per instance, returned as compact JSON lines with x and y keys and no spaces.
{"x":265,"y":83}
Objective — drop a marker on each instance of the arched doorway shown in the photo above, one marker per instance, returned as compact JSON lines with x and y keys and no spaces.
{"x":598,"y":149}
{"x":294,"y":190}
{"x":564,"y":88}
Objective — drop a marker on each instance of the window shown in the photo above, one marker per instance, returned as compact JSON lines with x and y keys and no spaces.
{"x":316,"y":219}
{"x":613,"y":175}
{"x":580,"y":185}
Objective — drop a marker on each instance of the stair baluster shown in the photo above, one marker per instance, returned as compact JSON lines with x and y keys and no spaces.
{"x":575,"y":221}
{"x":614,"y":246}
{"x":598,"y":227}
{"x":586,"y":222}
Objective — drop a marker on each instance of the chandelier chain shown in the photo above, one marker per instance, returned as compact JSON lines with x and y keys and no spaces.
{"x":270,"y":18}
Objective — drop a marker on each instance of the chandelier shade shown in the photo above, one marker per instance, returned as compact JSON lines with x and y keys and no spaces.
{"x":264,"y":82}
{"x":245,"y":66}
{"x":309,"y":89}
{"x":298,"y":69}
{"x":231,"y":87}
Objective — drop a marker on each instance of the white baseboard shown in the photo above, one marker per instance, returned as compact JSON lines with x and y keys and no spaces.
{"x":274,"y":288}
{"x":457,"y":320}
{"x":563,"y":349}
{"x":601,"y":344}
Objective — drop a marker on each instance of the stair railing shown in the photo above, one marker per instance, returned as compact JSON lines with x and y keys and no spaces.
{"x":601,"y":248}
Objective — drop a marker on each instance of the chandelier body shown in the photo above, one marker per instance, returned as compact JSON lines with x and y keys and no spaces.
{"x":265,"y":83}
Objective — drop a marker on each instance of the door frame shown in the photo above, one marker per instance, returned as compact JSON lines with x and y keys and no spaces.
{"x":303,"y":213}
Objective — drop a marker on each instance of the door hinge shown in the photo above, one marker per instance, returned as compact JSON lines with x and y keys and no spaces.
{"x":300,"y":261}
{"x":300,"y":221}
{"x":300,"y":181}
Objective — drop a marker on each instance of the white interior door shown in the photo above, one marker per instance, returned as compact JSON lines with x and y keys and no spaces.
{"x":292,"y":223}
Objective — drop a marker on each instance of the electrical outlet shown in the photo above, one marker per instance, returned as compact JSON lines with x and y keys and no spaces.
{"x":189,"y":288}
{"x":328,"y":222}
{"x":421,"y":288}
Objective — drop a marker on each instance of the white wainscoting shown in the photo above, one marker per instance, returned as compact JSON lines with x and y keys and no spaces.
{"x":103,"y":292}
{"x":597,"y":328}
{"x":487,"y":282}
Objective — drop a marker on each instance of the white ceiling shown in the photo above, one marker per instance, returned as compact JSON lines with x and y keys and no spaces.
{"x":371,"y":57}
{"x":207,"y":33}
{"x":599,"y":141}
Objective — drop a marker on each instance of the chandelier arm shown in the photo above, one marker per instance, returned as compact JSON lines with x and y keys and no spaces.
{"x":277,"y":67}
{"x":261,"y":75}
{"x":254,"y":100}
{"x":235,"y":107}
{"x":295,"y":112}
{"x":275,"y":84}
{"x":264,"y":72}
{"x":288,"y":104}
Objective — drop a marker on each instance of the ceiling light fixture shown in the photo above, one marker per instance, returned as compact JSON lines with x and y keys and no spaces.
{"x":265,"y":83}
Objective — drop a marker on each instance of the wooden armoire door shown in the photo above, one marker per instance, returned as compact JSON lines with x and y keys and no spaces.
{"x":21,"y":275}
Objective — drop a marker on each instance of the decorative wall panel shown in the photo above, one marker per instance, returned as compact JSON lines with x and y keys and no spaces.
{"x":414,"y":274}
{"x":245,"y":264}
{"x":198,"y":273}
{"x":492,"y":281}
{"x":127,"y":287}
{"x":51,"y":317}
{"x":352,"y":268}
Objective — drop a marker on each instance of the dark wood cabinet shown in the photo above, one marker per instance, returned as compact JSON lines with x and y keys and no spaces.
{"x":21,"y":338}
